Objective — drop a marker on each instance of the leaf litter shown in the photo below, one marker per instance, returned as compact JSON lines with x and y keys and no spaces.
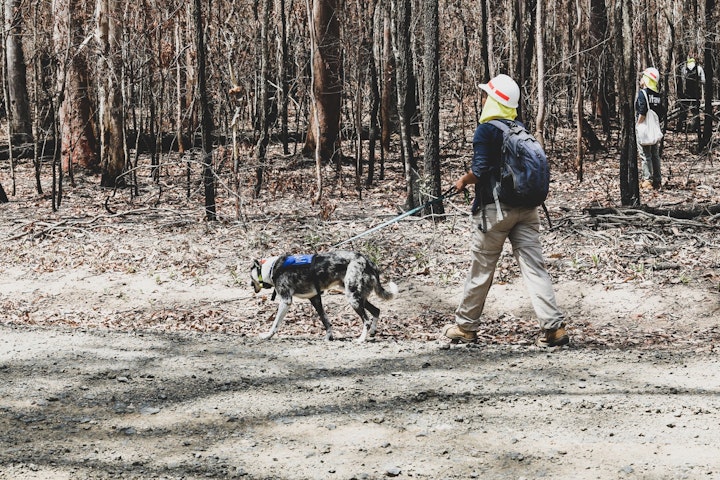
{"x":158,"y":258}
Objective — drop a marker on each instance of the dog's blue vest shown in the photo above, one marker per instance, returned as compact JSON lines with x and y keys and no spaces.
{"x":297,"y":260}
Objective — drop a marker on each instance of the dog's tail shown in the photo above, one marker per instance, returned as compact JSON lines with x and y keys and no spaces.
{"x":386,"y":293}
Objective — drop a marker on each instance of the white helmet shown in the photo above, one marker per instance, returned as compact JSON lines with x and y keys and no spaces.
{"x":652,"y":73}
{"x":503,"y":89}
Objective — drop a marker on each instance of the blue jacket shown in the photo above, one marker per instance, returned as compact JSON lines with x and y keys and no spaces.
{"x":487,"y":150}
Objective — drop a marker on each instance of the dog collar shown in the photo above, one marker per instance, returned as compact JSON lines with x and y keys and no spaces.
{"x":267,"y":265}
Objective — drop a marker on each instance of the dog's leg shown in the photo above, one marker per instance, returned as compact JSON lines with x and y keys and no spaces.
{"x":282,"y":311}
{"x":358,"y":305}
{"x":375,"y":312}
{"x":317,"y":303}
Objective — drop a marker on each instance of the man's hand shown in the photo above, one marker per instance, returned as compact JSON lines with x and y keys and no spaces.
{"x":468,"y":179}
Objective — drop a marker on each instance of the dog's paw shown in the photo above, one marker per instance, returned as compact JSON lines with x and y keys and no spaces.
{"x":329,"y":335}
{"x":266,"y":336}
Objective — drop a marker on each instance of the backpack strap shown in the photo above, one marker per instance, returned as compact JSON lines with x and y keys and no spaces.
{"x":647,"y":99}
{"x":496,"y":189}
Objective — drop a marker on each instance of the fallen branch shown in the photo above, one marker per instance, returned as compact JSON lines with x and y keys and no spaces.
{"x":692,"y":213}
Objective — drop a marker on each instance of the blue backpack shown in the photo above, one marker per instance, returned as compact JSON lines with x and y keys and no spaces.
{"x":524,"y":179}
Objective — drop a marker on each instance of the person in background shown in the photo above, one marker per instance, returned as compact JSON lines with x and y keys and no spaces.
{"x":691,"y":91}
{"x":490,"y":230}
{"x":649,"y":98}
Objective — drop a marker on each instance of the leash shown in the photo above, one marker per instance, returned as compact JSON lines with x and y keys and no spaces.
{"x":450,"y":192}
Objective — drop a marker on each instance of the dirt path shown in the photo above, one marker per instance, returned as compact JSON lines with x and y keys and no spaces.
{"x":93,"y":404}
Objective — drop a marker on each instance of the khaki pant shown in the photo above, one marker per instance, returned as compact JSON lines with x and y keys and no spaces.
{"x":522,"y":227}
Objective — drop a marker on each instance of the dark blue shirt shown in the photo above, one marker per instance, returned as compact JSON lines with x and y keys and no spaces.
{"x":656,"y":104}
{"x":487,"y":150}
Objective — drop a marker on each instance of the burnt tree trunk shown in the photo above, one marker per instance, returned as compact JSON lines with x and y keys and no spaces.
{"x":388,"y":109}
{"x":3,"y":195}
{"x":374,"y":93}
{"x":625,"y":80}
{"x":205,"y":115}
{"x":112,"y":137}
{"x":598,"y":29}
{"x":711,"y":46}
{"x":431,"y":104}
{"x":263,"y":107}
{"x":540,"y":59}
{"x":579,"y":92}
{"x":19,"y":102}
{"x":327,"y":81}
{"x":79,"y":145}
{"x":282,"y":73}
{"x":406,"y":103}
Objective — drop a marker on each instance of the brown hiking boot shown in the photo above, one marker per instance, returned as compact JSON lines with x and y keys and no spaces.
{"x":553,"y":338}
{"x":457,"y":334}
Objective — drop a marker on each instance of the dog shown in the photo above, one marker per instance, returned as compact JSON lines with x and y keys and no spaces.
{"x":308,"y":276}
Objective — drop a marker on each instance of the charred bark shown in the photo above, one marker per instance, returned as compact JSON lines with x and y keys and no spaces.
{"x":112,"y":137}
{"x":205,"y":115}
{"x":327,"y":82}
{"x":431,"y":104}
{"x":79,"y":145}
{"x":19,"y":102}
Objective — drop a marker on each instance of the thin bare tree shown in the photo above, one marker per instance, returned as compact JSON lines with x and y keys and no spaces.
{"x":19,"y":102}
{"x":404,"y":80}
{"x":315,"y":119}
{"x":578,"y":90}
{"x":431,"y":104}
{"x":263,"y":110}
{"x":282,"y":73}
{"x":375,"y":99}
{"x":388,"y":104}
{"x":712,"y":42}
{"x":205,"y":114}
{"x":540,"y":60}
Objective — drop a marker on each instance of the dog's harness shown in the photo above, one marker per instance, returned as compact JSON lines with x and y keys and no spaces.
{"x":294,"y":262}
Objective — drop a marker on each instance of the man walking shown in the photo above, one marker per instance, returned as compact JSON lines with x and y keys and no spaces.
{"x":520,"y":224}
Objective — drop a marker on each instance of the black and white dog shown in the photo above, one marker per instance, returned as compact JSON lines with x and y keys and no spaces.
{"x":307,"y":276}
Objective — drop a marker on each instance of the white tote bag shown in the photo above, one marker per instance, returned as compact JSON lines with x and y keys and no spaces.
{"x":649,"y":132}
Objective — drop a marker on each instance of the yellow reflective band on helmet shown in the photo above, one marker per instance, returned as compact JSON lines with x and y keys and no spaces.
{"x":652,"y":77}
{"x":651,"y":84}
{"x":494,"y":110}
